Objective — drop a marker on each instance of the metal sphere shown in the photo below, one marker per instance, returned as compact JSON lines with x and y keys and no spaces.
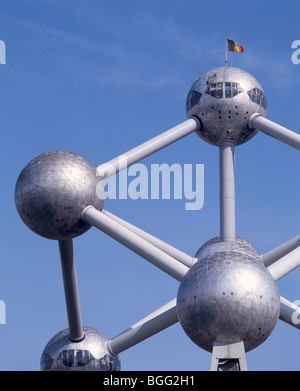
{"x":228,"y":295}
{"x":224,"y":99}
{"x":53,"y":190}
{"x":61,"y":354}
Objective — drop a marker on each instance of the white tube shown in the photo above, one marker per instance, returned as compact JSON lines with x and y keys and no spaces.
{"x":280,"y":251}
{"x":289,"y":313}
{"x":135,"y":243}
{"x":170,"y":250}
{"x":152,"y":324}
{"x":227,"y":191}
{"x":148,"y":148}
{"x":274,"y":130}
{"x":68,"y":267}
{"x":285,"y":264}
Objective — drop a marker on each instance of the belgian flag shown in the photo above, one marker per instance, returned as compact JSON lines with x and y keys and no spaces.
{"x":234,"y":46}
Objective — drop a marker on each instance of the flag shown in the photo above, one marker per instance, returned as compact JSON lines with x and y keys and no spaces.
{"x":234,"y":46}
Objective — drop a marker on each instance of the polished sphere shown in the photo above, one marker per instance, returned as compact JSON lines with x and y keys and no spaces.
{"x":61,"y":354}
{"x":53,"y":190}
{"x":224,"y":99}
{"x":228,"y":295}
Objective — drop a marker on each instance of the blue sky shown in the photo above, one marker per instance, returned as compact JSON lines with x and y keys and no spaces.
{"x":98,"y":78}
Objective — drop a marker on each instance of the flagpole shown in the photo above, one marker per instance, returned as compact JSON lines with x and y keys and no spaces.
{"x":226,"y":50}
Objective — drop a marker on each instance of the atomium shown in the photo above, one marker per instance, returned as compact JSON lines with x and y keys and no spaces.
{"x":227,"y":297}
{"x":61,"y":354}
{"x":51,"y":192}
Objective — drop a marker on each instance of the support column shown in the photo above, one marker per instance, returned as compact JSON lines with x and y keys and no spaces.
{"x":227,"y":191}
{"x":228,"y":357}
{"x":71,"y":290}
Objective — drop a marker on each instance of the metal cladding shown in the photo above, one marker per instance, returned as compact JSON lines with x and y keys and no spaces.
{"x":61,"y":354}
{"x":228,"y":295}
{"x":224,"y":99}
{"x":53,"y":190}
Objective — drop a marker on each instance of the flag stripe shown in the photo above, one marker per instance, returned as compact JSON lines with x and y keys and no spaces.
{"x":234,"y":46}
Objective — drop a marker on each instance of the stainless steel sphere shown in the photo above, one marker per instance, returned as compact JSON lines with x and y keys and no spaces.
{"x":53,"y":190}
{"x":224,"y":99}
{"x":228,"y":295}
{"x":61,"y":354}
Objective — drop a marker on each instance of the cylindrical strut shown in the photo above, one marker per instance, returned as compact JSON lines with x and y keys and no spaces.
{"x":289,"y":312}
{"x":152,"y":324}
{"x":227,"y":191}
{"x":285,"y":264}
{"x":274,"y":130}
{"x":280,"y":251}
{"x":170,"y":250}
{"x":135,"y":243}
{"x":148,"y":148}
{"x":68,"y":268}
